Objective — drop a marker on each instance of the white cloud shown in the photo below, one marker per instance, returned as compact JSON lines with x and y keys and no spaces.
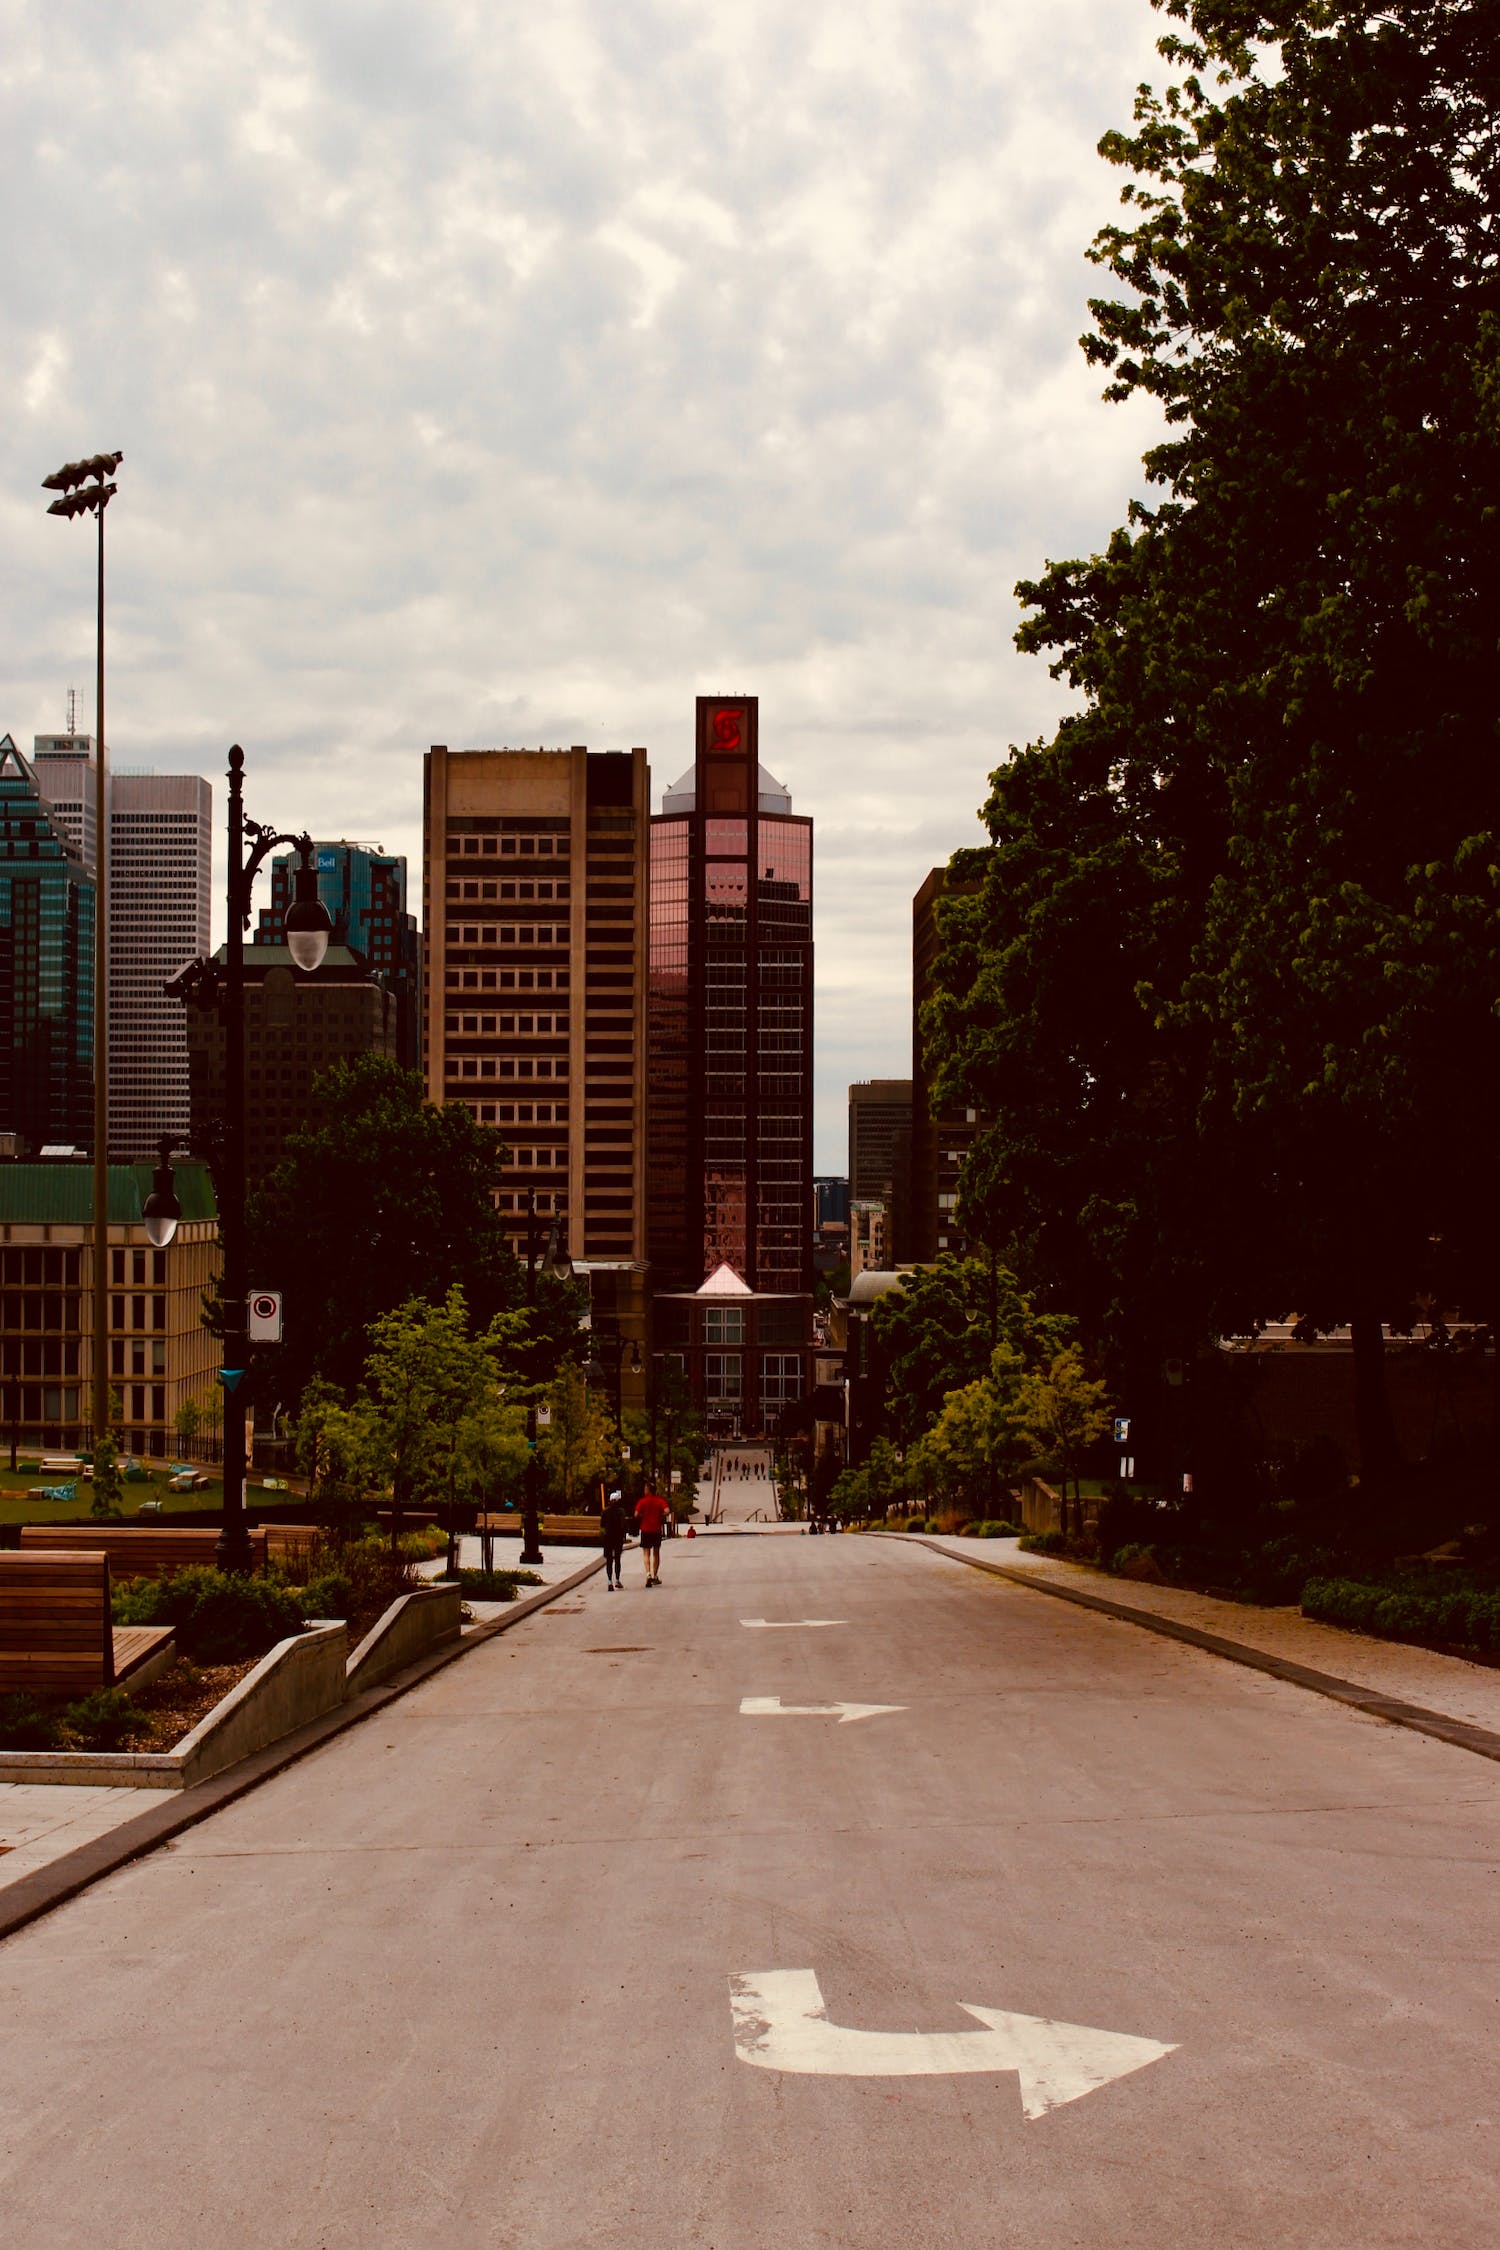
{"x":492,"y":374}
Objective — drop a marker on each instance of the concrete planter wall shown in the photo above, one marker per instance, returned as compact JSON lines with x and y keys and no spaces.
{"x":298,"y":1680}
{"x":413,"y":1624}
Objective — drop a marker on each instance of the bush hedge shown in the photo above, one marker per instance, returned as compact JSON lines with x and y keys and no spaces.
{"x":1456,"y":1617}
{"x":218,"y":1616}
{"x":1043,"y":1543}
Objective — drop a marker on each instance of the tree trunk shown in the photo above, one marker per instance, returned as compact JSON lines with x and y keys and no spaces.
{"x":1379,"y":1451}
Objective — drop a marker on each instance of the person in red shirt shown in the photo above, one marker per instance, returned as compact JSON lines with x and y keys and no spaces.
{"x":651,"y":1516}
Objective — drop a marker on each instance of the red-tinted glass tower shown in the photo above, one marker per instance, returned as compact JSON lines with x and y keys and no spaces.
{"x":731,"y":1013}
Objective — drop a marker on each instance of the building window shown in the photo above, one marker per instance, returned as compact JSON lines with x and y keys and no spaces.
{"x":723,"y":1324}
{"x":721,"y":1378}
{"x":780,"y":1379}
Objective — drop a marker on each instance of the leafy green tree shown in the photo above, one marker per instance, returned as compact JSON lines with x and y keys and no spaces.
{"x":428,"y":1374}
{"x":941,"y":1329}
{"x":187,"y":1422}
{"x":976,"y":1444}
{"x":1227,"y":982}
{"x":341,"y":1450}
{"x":388,"y":1198}
{"x":1063,"y":1411}
{"x":578,"y":1444}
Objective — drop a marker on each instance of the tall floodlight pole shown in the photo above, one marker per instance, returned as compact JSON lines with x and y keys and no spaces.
{"x":86,"y":488}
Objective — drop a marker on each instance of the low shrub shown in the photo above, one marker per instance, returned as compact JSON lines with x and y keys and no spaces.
{"x":105,"y":1720}
{"x":219,"y":1617}
{"x":424,"y":1542}
{"x":494,"y":1585}
{"x":1458,"y":1617}
{"x":330,"y":1594}
{"x":917,"y":1523}
{"x":25,"y":1724}
{"x":1137,"y":1560}
{"x":998,"y":1528}
{"x":1043,"y":1543}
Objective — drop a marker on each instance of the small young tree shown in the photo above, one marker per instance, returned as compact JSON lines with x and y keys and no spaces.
{"x":339,"y":1451}
{"x":1063,"y":1411}
{"x":578,"y":1443}
{"x":427,"y":1374}
{"x":188,"y":1421}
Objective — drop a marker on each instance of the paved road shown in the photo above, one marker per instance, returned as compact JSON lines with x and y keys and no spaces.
{"x":746,"y":1488}
{"x":462,"y":1977}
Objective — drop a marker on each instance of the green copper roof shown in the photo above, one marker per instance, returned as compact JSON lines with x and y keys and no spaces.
{"x":63,"y":1194}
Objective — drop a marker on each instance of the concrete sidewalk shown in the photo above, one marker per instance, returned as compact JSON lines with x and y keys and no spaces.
{"x":40,"y":1823}
{"x":1448,"y":1686}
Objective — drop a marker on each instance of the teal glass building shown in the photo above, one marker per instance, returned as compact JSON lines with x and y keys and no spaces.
{"x":46,"y":969}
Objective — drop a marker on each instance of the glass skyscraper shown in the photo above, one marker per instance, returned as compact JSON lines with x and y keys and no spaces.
{"x":46,"y":969}
{"x":364,"y":890}
{"x":731,"y":1002}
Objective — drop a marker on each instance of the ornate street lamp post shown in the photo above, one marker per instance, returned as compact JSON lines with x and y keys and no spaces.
{"x":86,"y":489}
{"x":307,"y":929}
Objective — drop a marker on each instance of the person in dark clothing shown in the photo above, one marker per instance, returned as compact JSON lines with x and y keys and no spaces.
{"x":612,"y":1536}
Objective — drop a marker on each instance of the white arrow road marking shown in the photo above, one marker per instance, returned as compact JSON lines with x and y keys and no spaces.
{"x":790,"y":1624}
{"x":772,"y":1707}
{"x":781,"y":2023}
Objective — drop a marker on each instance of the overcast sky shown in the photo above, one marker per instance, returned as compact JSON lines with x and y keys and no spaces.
{"x":497,"y":375}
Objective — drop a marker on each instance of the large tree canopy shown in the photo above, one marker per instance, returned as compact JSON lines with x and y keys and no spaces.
{"x":1229,"y":985}
{"x":390,"y":1199}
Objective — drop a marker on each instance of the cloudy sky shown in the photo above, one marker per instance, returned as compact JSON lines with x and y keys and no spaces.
{"x":490,"y":374}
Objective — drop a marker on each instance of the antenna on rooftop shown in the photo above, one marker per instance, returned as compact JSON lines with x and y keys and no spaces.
{"x":72,"y":710}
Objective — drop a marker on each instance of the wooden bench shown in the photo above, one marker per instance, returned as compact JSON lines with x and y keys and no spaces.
{"x":55,"y":1632}
{"x":134,"y":1551}
{"x":285,"y":1542}
{"x":564,"y":1528}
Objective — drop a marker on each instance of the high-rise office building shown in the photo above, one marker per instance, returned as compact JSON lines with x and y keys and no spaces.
{"x":731,"y":1075}
{"x":46,"y":969}
{"x":940,"y":1138}
{"x":298,"y":1023}
{"x":159,"y":872}
{"x":160,"y":863}
{"x":880,"y":1155}
{"x":364,"y":890}
{"x":731,"y":1016}
{"x":534,"y":995}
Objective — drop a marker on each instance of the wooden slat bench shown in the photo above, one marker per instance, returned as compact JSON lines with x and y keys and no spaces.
{"x":565,"y":1528}
{"x":283,"y":1541}
{"x":153,"y":1551}
{"x":55,"y":1632}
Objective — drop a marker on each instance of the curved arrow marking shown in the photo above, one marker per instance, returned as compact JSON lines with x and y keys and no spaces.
{"x":790,"y":1624}
{"x":772,"y":1707}
{"x":781,"y":2023}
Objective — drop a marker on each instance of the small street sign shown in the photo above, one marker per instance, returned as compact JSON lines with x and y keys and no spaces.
{"x":544,"y":1417}
{"x":263,"y":1317}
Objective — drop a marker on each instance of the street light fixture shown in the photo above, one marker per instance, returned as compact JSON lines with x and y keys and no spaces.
{"x":313,"y":930}
{"x":162,"y":1210}
{"x":86,"y":488}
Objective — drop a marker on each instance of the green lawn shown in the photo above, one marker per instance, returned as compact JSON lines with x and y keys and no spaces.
{"x":15,"y":1507}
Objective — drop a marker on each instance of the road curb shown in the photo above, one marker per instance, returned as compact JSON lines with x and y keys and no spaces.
{"x":31,"y":1896}
{"x":1458,"y":1733}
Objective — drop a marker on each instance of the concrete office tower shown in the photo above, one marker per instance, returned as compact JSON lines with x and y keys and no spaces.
{"x":534,"y":995}
{"x":160,"y":869}
{"x":46,"y":969}
{"x":880,"y":1157}
{"x":731,"y":1016}
{"x":65,"y":769}
{"x":160,"y":863}
{"x":364,"y":890}
{"x":940,"y":1139}
{"x":298,"y":1022}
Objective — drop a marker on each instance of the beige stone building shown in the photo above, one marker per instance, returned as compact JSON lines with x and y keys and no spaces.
{"x":534,"y":912}
{"x":161,"y":1355}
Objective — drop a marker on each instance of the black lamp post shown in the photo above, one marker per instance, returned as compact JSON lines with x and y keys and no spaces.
{"x":556,"y":1262}
{"x":308,"y":928}
{"x":595,"y":1371}
{"x":85,"y":488}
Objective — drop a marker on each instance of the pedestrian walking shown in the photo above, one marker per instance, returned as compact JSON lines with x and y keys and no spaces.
{"x":651,"y":1515}
{"x":612,"y":1538}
